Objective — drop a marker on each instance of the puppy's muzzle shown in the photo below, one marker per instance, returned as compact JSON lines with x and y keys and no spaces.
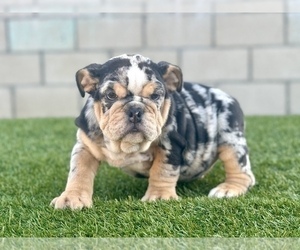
{"x":135,"y":114}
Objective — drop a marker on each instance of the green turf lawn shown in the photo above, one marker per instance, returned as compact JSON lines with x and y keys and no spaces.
{"x":34,"y":158}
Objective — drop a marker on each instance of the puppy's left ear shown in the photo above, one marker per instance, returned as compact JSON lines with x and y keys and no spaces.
{"x":172,"y":75}
{"x":86,"y":78}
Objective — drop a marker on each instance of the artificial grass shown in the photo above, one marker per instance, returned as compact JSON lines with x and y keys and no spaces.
{"x":34,"y":165}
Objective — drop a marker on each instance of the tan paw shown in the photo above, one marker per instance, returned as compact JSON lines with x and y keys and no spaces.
{"x":227,"y":190}
{"x":72,"y":199}
{"x":159,"y":194}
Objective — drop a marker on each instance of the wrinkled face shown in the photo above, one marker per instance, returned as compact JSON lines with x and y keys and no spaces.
{"x":131,"y":99}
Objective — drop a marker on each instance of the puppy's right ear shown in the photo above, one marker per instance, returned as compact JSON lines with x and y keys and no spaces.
{"x":86,"y":80}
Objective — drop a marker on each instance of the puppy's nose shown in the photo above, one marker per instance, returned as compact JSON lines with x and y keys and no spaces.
{"x":135,"y":114}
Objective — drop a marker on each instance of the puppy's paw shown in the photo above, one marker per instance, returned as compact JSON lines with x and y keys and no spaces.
{"x":153,"y":194}
{"x":227,"y":190}
{"x":72,"y":199}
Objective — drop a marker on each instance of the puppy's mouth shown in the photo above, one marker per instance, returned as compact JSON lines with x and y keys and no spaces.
{"x":132,"y":130}
{"x":135,"y":123}
{"x":135,"y":138}
{"x":133,"y":141}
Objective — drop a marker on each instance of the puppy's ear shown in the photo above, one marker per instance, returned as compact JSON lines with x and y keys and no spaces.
{"x":86,"y":80}
{"x":172,"y":75}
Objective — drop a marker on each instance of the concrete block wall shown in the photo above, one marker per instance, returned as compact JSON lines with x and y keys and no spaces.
{"x":249,"y":48}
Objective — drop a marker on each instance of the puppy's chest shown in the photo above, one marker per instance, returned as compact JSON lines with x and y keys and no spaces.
{"x":136,"y":161}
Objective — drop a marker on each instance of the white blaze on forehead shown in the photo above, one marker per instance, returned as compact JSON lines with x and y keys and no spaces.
{"x":136,"y":79}
{"x":136,"y":76}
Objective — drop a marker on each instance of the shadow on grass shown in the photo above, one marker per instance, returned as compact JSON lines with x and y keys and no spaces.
{"x":113,"y":184}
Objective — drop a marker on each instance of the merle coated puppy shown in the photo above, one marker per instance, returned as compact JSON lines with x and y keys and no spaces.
{"x":141,"y":117}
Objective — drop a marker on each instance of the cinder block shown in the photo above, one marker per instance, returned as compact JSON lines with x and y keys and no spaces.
{"x":258,"y":98}
{"x":48,"y":9}
{"x":5,"y":104}
{"x":269,"y":6}
{"x":294,"y":98}
{"x":2,"y":36}
{"x":46,"y":102}
{"x":155,"y":55}
{"x":173,"y":30}
{"x":61,"y":68}
{"x":180,"y":6}
{"x":293,"y":21}
{"x":75,"y":2}
{"x":19,"y":69}
{"x":293,"y":6}
{"x":215,"y":65}
{"x":17,"y":1}
{"x":113,"y":31}
{"x":41,"y":34}
{"x":112,"y":6}
{"x":276,"y":63}
{"x":249,"y":29}
{"x":294,"y":28}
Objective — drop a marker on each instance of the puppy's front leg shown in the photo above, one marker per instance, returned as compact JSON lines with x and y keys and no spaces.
{"x":79,"y":188}
{"x":163,"y":178}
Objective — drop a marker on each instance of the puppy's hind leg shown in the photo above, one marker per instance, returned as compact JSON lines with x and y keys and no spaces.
{"x":239,"y":177}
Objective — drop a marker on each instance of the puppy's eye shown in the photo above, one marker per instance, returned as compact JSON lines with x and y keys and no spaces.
{"x":112,"y":96}
{"x":154,"y":97}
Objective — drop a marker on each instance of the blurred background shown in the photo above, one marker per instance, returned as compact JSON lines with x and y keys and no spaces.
{"x":249,"y":48}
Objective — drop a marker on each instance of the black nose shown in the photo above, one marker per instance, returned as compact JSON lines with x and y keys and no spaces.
{"x":135,"y":114}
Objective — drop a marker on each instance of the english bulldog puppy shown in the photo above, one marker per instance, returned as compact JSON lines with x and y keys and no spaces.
{"x":142,"y":118}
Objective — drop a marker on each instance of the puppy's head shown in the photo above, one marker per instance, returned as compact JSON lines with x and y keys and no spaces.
{"x":131,"y":99}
